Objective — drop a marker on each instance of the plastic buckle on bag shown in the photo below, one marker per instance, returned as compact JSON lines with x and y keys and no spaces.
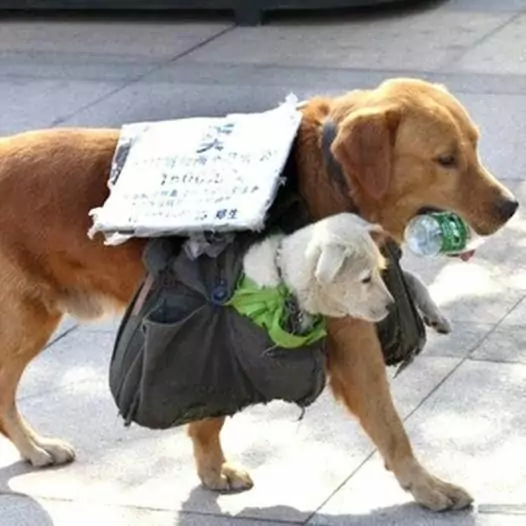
{"x":219,"y":293}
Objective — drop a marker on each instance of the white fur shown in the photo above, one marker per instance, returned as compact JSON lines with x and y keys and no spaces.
{"x":325,"y":264}
{"x":259,"y":263}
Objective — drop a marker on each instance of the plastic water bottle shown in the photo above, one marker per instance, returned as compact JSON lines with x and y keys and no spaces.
{"x":439,"y":233}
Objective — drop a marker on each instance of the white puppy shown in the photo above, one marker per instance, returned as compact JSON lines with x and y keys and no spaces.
{"x":333,"y":268}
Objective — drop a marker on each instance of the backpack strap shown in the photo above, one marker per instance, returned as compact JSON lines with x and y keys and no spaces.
{"x":157,"y":255}
{"x":159,"y":252}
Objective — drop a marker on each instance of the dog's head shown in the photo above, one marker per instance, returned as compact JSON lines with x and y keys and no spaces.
{"x":409,"y":145}
{"x":346,"y":265}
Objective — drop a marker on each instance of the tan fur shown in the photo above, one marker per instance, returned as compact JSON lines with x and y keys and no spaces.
{"x":49,"y":180}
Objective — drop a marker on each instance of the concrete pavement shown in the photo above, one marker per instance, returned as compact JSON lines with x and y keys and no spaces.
{"x":463,"y":400}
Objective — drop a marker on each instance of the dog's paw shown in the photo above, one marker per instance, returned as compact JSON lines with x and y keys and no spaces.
{"x":438,"y":322}
{"x":228,"y":479}
{"x":50,"y":452}
{"x":438,"y":495}
{"x":431,"y":492}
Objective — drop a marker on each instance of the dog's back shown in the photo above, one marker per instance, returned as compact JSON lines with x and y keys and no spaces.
{"x":49,"y":181}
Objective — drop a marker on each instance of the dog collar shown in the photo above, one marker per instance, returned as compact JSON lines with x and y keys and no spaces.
{"x":334,"y":170}
{"x":277,"y":261}
{"x":295,"y":316}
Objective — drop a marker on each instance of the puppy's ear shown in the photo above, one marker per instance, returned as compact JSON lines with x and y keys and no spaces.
{"x":329,"y":263}
{"x":363,"y":147}
{"x":379,"y":235}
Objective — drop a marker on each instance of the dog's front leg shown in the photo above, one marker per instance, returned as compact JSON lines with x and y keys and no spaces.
{"x":214,"y":471}
{"x":358,"y":378}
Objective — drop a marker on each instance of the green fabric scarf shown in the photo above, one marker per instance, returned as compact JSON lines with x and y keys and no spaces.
{"x":265,"y":306}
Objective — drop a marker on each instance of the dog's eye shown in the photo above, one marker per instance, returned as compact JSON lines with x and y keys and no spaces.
{"x":366,"y":280}
{"x":448,"y":160}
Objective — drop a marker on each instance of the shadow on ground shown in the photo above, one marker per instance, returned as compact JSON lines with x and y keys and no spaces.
{"x":393,"y":515}
{"x":22,"y":510}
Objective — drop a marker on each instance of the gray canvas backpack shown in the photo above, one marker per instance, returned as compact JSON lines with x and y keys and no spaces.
{"x":181,"y":354}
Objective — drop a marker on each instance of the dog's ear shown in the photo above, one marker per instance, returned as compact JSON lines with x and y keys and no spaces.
{"x":329,"y":263}
{"x":364,"y":147}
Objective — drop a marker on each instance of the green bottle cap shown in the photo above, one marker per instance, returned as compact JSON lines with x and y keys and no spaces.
{"x":455,"y":233}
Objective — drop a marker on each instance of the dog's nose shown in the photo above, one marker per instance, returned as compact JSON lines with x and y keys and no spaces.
{"x":507,"y":208}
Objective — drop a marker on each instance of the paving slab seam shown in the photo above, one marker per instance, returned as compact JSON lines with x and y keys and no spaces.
{"x":154,"y":509}
{"x":483,"y":83}
{"x":21,"y":495}
{"x":60,"y":336}
{"x":461,"y":361}
{"x":417,"y":407}
{"x":501,"y":509}
{"x":492,"y":330}
{"x":481,"y":40}
{"x":332,"y":69}
{"x":496,"y":361}
{"x":482,"y":338}
{"x":430,"y":74}
{"x":50,"y":344}
{"x":239,"y":518}
{"x":340,"y":486}
{"x":131,"y":82}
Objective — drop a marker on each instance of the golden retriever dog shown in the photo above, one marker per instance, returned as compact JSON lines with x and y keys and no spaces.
{"x":403,"y":146}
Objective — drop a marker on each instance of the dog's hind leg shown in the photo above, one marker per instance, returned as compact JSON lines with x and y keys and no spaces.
{"x":25,"y":327}
{"x":358,"y":378}
{"x":214,"y":471}
{"x":433,"y":317}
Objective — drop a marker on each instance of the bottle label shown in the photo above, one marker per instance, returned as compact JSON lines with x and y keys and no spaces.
{"x":455,"y":234}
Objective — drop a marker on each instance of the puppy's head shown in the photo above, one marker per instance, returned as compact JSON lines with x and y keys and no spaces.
{"x":346,"y":268}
